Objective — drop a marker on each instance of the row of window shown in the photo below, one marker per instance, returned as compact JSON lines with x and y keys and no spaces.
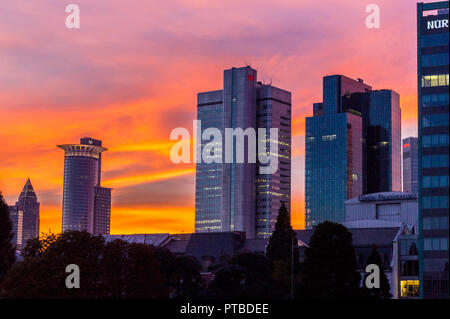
{"x":435,"y":243}
{"x":435,"y":161}
{"x":435,"y":181}
{"x":440,"y":99}
{"x":433,"y":120}
{"x":435,"y":140}
{"x":435,"y":40}
{"x":435,"y":59}
{"x":435,"y":222}
{"x":435,"y":264}
{"x":435,"y":80}
{"x":430,"y":202}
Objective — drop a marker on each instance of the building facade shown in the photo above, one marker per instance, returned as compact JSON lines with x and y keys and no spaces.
{"x":382,"y":130}
{"x":16,"y":217}
{"x":433,"y":111}
{"x":373,"y":210}
{"x":29,"y":205}
{"x":232,"y":196}
{"x":410,"y":165}
{"x":102,"y":210}
{"x":352,"y":147}
{"x":83,"y":195}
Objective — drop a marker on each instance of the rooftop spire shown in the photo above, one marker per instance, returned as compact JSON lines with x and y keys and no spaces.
{"x":28,"y":190}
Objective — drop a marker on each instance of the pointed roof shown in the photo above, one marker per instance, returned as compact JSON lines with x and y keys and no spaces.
{"x":28,"y":190}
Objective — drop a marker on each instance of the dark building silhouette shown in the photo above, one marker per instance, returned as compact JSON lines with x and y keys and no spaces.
{"x":86,"y":205}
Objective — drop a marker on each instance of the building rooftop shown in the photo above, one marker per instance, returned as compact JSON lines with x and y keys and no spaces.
{"x":28,"y":190}
{"x":383,"y":236}
{"x":149,"y":239}
{"x":382,"y":196}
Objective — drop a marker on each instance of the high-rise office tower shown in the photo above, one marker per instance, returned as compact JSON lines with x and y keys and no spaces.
{"x":410,"y":165}
{"x":433,"y":111}
{"x":29,"y":205}
{"x":383,"y":137}
{"x":86,"y":205}
{"x":236,"y":196}
{"x":102,"y":210}
{"x":16,"y":217}
{"x":352,"y":147}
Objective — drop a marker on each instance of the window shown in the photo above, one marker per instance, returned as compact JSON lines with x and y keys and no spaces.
{"x":435,"y":80}
{"x":435,"y":161}
{"x":436,"y":140}
{"x":435,"y":59}
{"x":409,"y":288}
{"x":439,"y":243}
{"x":431,"y":202}
{"x":435,"y":181}
{"x":433,"y":120}
{"x":434,"y":40}
{"x":435,"y":222}
{"x":441,"y":99}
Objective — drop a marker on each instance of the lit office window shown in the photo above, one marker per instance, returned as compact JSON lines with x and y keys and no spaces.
{"x":435,"y":80}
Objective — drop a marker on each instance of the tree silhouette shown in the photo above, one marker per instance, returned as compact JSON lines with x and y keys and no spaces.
{"x":7,"y":249}
{"x":283,"y":245}
{"x":384,"y":291}
{"x":329,"y":269}
{"x":245,"y":275}
{"x":116,"y":269}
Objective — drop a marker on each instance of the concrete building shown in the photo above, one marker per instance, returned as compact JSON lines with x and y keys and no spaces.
{"x":382,"y":209}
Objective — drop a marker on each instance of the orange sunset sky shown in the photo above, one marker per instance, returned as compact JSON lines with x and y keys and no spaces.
{"x":131,"y":74}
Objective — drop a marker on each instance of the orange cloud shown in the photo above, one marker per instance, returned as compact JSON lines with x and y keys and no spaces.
{"x":130,"y":83}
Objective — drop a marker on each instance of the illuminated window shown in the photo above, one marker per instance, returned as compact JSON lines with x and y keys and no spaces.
{"x":409,"y":288}
{"x":435,"y":80}
{"x":329,"y":137}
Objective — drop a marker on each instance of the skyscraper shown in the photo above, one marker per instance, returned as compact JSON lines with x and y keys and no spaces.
{"x":410,"y":165}
{"x":352,"y":147}
{"x":235,"y":196}
{"x":382,"y":134}
{"x":86,"y":205}
{"x":433,"y":110}
{"x":29,"y":205}
{"x":16,"y":217}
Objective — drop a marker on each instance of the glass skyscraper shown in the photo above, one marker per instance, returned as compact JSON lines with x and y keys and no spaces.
{"x":86,"y":205}
{"x":410,"y":165}
{"x":235,"y":196}
{"x":352,"y":146}
{"x":433,"y":110}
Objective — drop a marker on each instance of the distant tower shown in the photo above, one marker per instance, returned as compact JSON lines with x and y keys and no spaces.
{"x":28,"y":204}
{"x":16,"y":217}
{"x":85,"y":202}
{"x":410,"y":165}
